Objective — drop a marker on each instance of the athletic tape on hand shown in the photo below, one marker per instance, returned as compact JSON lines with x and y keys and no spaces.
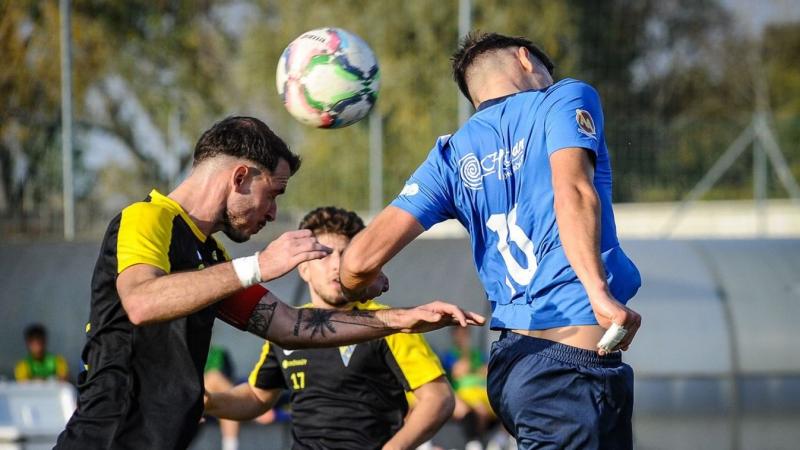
{"x":612,"y":337}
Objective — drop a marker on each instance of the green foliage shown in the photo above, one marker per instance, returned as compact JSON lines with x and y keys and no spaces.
{"x":676,"y":77}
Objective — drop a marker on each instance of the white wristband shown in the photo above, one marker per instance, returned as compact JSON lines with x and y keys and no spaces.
{"x":247,"y":270}
{"x":612,"y":337}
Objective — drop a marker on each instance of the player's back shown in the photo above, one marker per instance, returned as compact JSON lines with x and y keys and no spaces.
{"x":494,"y":176}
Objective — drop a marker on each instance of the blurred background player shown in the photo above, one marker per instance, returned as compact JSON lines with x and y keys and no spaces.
{"x":40,"y":364}
{"x":351,"y":396}
{"x":529,"y":175}
{"x":217,"y":377}
{"x":465,"y":365}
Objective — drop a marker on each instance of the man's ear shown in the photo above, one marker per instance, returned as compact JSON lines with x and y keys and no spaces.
{"x":239,"y":178}
{"x":302,"y":269}
{"x":524,"y":58}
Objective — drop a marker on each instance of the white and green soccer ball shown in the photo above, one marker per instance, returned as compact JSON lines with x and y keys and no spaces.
{"x":328,"y":78}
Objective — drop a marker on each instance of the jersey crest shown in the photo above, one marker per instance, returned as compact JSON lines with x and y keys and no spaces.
{"x":585,"y":123}
{"x":347,"y":353}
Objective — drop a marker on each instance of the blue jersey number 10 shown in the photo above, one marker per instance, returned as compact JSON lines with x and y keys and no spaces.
{"x":507,"y":229}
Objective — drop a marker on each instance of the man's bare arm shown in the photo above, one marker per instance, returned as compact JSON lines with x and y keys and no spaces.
{"x":577,"y":208}
{"x":243,"y":402}
{"x":150,"y":295}
{"x":435,"y":403}
{"x":390,"y":231}
{"x":293,"y":328}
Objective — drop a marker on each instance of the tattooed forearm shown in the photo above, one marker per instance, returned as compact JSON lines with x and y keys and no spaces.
{"x":261,"y":318}
{"x":299,"y":321}
{"x":293,"y":328}
{"x":318,"y":321}
{"x":360,"y":313}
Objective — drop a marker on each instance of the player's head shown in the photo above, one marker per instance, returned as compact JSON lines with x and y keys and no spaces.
{"x":482,"y":54}
{"x":333,"y":227}
{"x":252,"y":165}
{"x":36,"y":339}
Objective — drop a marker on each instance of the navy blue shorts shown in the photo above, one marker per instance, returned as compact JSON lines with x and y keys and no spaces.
{"x":554,"y":396}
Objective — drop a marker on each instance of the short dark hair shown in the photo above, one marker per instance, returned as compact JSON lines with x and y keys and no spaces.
{"x":247,"y":138}
{"x":35,"y":331}
{"x":476,"y":43}
{"x":332,"y":220}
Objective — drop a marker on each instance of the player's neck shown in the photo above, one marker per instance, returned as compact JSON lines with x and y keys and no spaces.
{"x":501,"y":86}
{"x":202,"y":200}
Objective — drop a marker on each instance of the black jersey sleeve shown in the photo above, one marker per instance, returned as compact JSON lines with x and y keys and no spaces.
{"x":267,"y":373}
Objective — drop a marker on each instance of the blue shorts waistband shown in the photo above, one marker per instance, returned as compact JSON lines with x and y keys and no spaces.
{"x":562,"y":352}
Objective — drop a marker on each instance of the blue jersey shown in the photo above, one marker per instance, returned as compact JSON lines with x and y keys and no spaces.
{"x":493,"y":175}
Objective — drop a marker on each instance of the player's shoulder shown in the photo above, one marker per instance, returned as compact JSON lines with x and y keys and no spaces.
{"x":146,"y":211}
{"x":441,"y":147}
{"x":569,"y":88}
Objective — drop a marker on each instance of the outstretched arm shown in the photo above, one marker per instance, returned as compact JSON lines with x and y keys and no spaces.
{"x":390,"y":231}
{"x":293,"y":328}
{"x":578,"y":215}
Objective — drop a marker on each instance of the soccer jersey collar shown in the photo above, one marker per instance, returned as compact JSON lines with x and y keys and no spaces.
{"x":158,"y":197}
{"x":494,"y":101}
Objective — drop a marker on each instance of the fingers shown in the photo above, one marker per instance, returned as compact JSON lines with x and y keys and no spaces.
{"x":475,"y":318}
{"x":459,"y":316}
{"x":621,"y":332}
{"x":611,"y":338}
{"x":385,"y":280}
{"x":308,"y":256}
{"x":289,"y":250}
{"x":453,"y":311}
{"x":632,"y":326}
{"x":305,"y":244}
{"x":296,"y":234}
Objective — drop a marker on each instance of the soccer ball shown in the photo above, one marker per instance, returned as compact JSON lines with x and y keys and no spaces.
{"x":328,"y":78}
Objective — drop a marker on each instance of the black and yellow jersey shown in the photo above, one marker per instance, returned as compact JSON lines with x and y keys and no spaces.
{"x":143,"y":385}
{"x":352,"y":396}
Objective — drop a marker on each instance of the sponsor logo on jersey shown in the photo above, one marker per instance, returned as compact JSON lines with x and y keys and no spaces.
{"x":347,"y":353}
{"x":294,"y":363}
{"x":585,"y":123}
{"x":410,"y":190}
{"x":287,"y":352}
{"x":502,"y":163}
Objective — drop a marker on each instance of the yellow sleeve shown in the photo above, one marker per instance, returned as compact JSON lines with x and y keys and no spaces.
{"x":417,"y":361}
{"x":22,"y":372}
{"x":62,"y":369}
{"x":145,"y":232}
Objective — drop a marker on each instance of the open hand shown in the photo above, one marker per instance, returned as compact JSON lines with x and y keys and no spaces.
{"x":287,"y":251}
{"x":432,"y":316}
